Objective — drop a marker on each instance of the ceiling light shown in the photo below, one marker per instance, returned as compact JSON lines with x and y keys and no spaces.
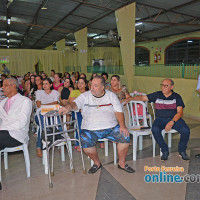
{"x":8,"y":41}
{"x":8,"y":33}
{"x":189,"y":41}
{"x":8,"y":20}
{"x":44,"y":8}
{"x":139,"y":23}
{"x":8,"y":46}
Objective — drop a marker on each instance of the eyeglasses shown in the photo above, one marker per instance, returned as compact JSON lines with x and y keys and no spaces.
{"x":165,"y":86}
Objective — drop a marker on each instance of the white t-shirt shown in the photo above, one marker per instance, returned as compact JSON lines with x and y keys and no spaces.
{"x":98,"y":113}
{"x":45,"y":98}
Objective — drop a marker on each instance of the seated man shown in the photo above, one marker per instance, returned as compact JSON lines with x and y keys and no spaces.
{"x":169,"y":110}
{"x":102,"y":118}
{"x":15,"y":112}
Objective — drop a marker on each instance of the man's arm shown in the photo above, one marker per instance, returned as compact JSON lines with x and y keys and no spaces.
{"x":123,"y":129}
{"x":69,"y":107}
{"x":176,"y":117}
{"x":137,"y":98}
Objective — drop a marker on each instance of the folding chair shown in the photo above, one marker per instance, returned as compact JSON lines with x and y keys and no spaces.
{"x":57,"y":124}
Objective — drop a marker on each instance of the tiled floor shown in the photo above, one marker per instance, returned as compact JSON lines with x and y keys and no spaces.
{"x":109,"y":182}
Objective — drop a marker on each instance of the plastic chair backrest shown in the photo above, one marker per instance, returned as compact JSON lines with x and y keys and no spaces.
{"x":133,"y":113}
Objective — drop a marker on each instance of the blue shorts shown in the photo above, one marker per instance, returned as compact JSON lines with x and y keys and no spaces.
{"x":89,"y":138}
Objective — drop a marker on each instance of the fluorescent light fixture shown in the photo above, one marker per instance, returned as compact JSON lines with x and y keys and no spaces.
{"x":8,"y":41}
{"x":189,"y":41}
{"x":96,"y":37}
{"x":8,"y":20}
{"x":44,"y":8}
{"x":75,"y":44}
{"x":8,"y":33}
{"x":8,"y":47}
{"x":139,"y":23}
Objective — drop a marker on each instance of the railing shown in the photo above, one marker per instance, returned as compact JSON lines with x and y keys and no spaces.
{"x":170,"y":71}
{"x":72,"y":69}
{"x":108,"y":69}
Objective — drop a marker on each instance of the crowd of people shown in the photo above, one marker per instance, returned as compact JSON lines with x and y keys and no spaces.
{"x":100,"y":112}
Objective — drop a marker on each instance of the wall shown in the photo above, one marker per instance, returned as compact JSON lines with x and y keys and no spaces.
{"x":185,"y":87}
{"x":161,"y":44}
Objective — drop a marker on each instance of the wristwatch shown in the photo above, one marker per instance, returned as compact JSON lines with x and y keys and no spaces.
{"x":173,"y":121}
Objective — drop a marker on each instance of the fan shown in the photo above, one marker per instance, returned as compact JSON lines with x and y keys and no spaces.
{"x":113,"y":36}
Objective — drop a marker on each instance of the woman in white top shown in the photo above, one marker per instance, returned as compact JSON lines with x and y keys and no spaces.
{"x":47,"y":96}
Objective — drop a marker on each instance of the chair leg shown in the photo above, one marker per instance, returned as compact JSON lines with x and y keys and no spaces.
{"x":44,"y":154}
{"x":140,"y":142}
{"x":169,"y":140}
{"x":135,"y":137}
{"x":154,"y":146}
{"x":106,"y":147}
{"x":115,"y":152}
{"x":27,"y":160}
{"x":5,"y":160}
{"x":62,"y":149}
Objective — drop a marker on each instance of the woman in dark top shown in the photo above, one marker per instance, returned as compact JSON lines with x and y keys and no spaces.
{"x":65,"y":91}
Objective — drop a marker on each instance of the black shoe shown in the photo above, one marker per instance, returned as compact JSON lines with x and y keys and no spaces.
{"x":184,"y":155}
{"x":127,"y":169}
{"x":164,"y":156}
{"x":197,"y":155}
{"x":94,"y":169}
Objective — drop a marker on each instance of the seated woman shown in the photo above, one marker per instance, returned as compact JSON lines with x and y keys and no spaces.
{"x":65,"y":91}
{"x":47,"y":96}
{"x":57,"y":83}
{"x":82,"y":87}
{"x":75,"y":83}
{"x":121,"y":91}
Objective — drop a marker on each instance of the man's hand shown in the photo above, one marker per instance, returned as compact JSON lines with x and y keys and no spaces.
{"x":124,"y":130}
{"x":169,"y":125}
{"x":64,"y":110}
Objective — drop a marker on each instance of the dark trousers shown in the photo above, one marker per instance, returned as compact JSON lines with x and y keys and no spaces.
{"x":180,"y":126}
{"x":7,"y":141}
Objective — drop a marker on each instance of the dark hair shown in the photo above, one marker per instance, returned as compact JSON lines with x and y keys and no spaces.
{"x":92,"y":76}
{"x":59,"y":75}
{"x":86,"y":83}
{"x":53,"y":71}
{"x":50,"y":82}
{"x":32,"y":85}
{"x":103,"y":82}
{"x":116,"y":76}
{"x":67,"y":74}
{"x":104,"y":73}
{"x":77,"y":78}
{"x":4,"y":75}
{"x":71,"y":83}
{"x":4,"y":65}
{"x":83,"y":75}
{"x":1,"y":83}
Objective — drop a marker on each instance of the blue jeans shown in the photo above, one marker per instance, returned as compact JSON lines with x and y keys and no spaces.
{"x":79,"y":118}
{"x":180,"y":126}
{"x":39,"y":140}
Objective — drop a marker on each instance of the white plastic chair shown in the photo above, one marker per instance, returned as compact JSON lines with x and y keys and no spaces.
{"x":135,"y":125}
{"x":152,"y":107}
{"x":24,"y":148}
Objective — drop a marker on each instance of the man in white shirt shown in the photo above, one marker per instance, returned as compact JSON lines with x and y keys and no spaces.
{"x":102,"y":118}
{"x":15,"y":112}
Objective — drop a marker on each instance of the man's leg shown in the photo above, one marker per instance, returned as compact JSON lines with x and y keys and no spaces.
{"x":158,"y":125}
{"x":184,"y":130}
{"x":92,"y":153}
{"x":122,"y":149}
{"x":7,"y":141}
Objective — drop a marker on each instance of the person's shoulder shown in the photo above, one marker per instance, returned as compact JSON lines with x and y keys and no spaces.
{"x":176,"y":94}
{"x":23,"y":98}
{"x":55,"y":92}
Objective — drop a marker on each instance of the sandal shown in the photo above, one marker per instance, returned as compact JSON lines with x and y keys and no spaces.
{"x":94,"y":168}
{"x":127,"y":168}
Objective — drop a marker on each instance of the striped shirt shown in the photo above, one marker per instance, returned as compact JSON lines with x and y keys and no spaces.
{"x":166,"y":107}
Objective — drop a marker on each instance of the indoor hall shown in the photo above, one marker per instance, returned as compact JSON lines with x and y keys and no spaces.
{"x":143,"y":42}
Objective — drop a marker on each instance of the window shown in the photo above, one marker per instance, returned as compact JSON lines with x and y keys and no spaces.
{"x":186,"y":51}
{"x":141,"y":56}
